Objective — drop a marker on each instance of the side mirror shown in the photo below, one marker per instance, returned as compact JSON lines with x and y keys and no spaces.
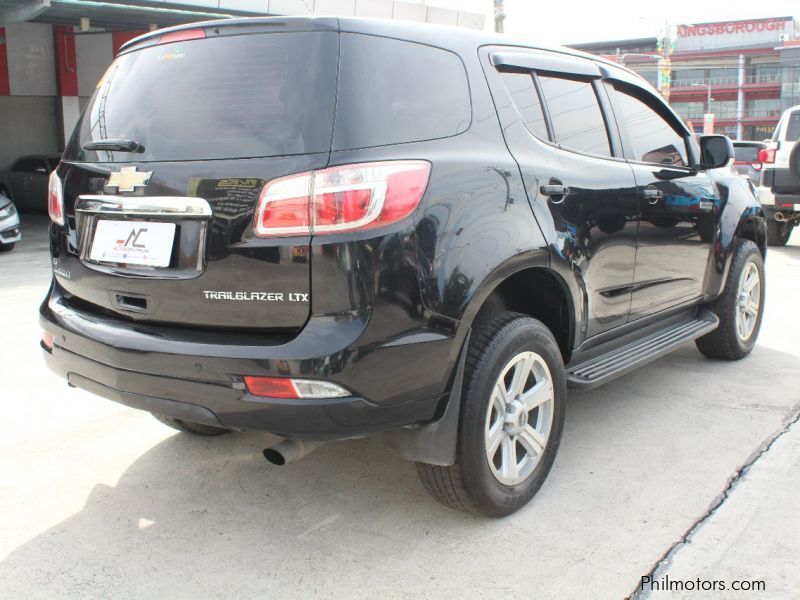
{"x":715,"y":151}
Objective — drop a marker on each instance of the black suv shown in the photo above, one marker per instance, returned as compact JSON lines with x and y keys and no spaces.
{"x":335,"y":228}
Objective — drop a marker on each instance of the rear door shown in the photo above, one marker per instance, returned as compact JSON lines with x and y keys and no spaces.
{"x":164,"y":230}
{"x":37,"y":184}
{"x":576,"y":178}
{"x":20,"y":177}
{"x":678,"y":206}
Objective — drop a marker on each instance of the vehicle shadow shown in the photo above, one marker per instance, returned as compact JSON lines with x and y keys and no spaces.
{"x":209,"y":517}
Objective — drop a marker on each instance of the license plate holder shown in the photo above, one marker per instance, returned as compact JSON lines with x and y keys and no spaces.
{"x":141,"y":243}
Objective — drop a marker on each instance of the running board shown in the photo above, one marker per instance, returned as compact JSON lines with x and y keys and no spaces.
{"x":621,"y":360}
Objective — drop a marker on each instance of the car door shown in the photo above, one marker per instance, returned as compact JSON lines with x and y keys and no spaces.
{"x":678,"y":205}
{"x":581,"y":189}
{"x":36,"y":190}
{"x":18,"y":181}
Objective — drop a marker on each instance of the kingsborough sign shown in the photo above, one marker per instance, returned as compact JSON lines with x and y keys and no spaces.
{"x":733,"y":34}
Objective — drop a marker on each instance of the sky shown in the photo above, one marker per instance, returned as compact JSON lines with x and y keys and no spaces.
{"x":564,"y":21}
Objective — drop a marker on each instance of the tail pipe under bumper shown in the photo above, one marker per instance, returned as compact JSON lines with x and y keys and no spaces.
{"x":290,"y":450}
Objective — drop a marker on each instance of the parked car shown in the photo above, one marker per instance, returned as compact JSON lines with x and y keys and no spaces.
{"x":10,"y":232}
{"x":747,"y":162}
{"x":783,"y":214}
{"x":25,"y":181}
{"x":427,"y":254}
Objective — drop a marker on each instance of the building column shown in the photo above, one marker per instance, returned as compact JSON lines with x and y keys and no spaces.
{"x":121,"y":37}
{"x":66,"y":79}
{"x":5,"y":87}
{"x":740,"y":100}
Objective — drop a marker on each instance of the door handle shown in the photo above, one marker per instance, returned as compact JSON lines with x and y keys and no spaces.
{"x":652,"y":195}
{"x":556,"y":191}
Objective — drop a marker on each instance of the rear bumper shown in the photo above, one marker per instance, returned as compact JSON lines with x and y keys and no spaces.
{"x":202,"y":380}
{"x":780,"y":180}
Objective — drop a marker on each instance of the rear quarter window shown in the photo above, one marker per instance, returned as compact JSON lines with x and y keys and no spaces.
{"x":793,"y":128}
{"x":393,"y":91}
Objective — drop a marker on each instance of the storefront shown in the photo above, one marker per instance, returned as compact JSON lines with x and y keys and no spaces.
{"x":731,"y":69}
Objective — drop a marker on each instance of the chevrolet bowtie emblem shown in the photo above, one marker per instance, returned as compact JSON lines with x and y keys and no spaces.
{"x":127,"y":179}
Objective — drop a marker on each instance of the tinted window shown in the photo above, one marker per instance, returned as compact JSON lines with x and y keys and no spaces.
{"x":793,"y":129}
{"x":746,"y":153}
{"x":652,"y":138}
{"x":525,"y":97}
{"x":575,"y":114}
{"x":226,"y":97}
{"x":392,"y":92}
{"x":30,"y":165}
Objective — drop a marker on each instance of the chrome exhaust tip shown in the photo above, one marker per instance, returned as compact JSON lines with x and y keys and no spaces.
{"x":289,"y":450}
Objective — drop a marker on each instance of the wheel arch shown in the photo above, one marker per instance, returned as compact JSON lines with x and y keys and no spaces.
{"x":537,"y":291}
{"x":753,"y":226}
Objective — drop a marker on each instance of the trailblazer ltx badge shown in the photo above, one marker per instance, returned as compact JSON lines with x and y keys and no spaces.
{"x":127,"y":179}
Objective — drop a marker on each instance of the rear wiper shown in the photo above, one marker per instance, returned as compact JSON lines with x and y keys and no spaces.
{"x":119,"y":145}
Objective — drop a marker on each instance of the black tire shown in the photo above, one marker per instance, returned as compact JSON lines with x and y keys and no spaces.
{"x":778,"y":234}
{"x":725,"y":342}
{"x":7,"y":247}
{"x":189,"y":426}
{"x":469,"y":484}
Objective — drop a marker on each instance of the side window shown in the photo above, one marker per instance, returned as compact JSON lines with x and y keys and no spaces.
{"x":525,"y":97}
{"x":29,"y":165}
{"x":575,"y":114}
{"x":652,"y":138}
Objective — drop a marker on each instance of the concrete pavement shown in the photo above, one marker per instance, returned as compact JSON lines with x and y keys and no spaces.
{"x":98,"y":500}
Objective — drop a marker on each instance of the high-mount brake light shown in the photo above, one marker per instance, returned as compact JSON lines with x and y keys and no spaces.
{"x":340,"y":199}
{"x":55,"y":199}
{"x":181,"y":36}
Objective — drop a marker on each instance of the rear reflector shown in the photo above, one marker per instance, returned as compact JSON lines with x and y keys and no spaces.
{"x":283,"y":387}
{"x":55,"y":199}
{"x":347,"y":198}
{"x":47,"y":341}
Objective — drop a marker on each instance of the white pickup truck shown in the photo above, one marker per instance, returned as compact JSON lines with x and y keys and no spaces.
{"x":782,"y":151}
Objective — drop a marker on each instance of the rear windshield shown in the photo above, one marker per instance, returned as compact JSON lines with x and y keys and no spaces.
{"x":228,"y":97}
{"x":746,"y":153}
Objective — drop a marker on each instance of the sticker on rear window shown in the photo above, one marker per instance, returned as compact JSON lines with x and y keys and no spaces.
{"x":175,"y":53}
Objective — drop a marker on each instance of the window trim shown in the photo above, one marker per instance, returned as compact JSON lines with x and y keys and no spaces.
{"x":592,"y":81}
{"x":649,"y":100}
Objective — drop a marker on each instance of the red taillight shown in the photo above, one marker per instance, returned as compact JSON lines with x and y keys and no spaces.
{"x":271,"y":387}
{"x":47,"y":341}
{"x":766,"y":155}
{"x":55,"y":199}
{"x":182,"y":36}
{"x":338,"y":199}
